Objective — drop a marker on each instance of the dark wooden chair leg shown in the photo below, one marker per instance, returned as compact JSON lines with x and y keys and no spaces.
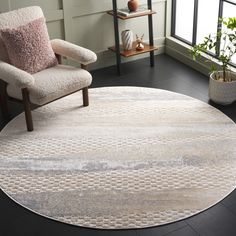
{"x":85,"y":90}
{"x":4,"y":100}
{"x":85,"y":97}
{"x":28,"y":115}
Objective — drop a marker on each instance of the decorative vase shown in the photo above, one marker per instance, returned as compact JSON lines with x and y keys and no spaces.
{"x":222,"y":92}
{"x":127,"y":39}
{"x":133,"y":5}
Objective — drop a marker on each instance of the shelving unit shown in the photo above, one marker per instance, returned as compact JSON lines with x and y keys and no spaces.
{"x":118,"y":48}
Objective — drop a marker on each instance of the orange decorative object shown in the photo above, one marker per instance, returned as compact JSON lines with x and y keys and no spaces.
{"x":133,"y":5}
{"x":139,"y":46}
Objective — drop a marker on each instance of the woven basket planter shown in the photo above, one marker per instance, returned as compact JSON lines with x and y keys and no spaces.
{"x":222,"y":92}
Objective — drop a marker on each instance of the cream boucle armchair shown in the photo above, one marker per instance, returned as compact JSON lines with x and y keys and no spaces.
{"x":48,"y":84}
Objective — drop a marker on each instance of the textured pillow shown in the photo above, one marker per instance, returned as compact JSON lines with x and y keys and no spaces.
{"x":29,"y":47}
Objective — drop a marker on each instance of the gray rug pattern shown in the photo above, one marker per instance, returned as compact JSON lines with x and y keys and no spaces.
{"x":135,"y":158}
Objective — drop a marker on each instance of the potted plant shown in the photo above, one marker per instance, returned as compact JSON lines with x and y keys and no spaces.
{"x":222,"y":84}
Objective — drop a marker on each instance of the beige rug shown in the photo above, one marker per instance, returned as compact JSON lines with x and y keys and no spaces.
{"x":136,"y":157}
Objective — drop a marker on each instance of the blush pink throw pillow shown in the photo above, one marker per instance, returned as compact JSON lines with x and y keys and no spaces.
{"x":29,"y":46}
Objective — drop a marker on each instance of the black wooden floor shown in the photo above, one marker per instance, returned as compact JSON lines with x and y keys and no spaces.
{"x":168,"y":74}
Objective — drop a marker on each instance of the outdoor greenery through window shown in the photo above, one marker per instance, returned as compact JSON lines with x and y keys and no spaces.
{"x":192,"y":20}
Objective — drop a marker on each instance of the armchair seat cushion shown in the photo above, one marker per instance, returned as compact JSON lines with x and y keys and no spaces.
{"x":53,"y":83}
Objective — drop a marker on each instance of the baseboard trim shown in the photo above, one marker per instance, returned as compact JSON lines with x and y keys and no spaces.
{"x":180,"y":51}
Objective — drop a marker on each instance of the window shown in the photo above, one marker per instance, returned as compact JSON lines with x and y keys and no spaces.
{"x":192,"y":20}
{"x":207,"y":20}
{"x":184,"y":19}
{"x":229,"y":10}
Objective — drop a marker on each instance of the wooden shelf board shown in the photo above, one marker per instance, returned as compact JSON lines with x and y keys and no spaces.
{"x":133,"y":51}
{"x":131,"y":16}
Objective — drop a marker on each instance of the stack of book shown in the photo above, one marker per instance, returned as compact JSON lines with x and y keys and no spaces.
{"x":127,"y":12}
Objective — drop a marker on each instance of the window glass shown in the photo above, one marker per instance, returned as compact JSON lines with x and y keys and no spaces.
{"x":229,"y":10}
{"x":184,"y":19}
{"x":207,"y":19}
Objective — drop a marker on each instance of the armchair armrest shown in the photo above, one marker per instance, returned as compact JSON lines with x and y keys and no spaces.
{"x":17,"y":77}
{"x":72,"y":51}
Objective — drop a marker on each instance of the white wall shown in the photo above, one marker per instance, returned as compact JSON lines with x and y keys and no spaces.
{"x":86,"y":23}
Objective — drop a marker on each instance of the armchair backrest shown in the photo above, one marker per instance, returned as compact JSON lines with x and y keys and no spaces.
{"x":14,"y":19}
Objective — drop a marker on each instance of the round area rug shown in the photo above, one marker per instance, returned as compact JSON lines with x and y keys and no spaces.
{"x":136,"y":157}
